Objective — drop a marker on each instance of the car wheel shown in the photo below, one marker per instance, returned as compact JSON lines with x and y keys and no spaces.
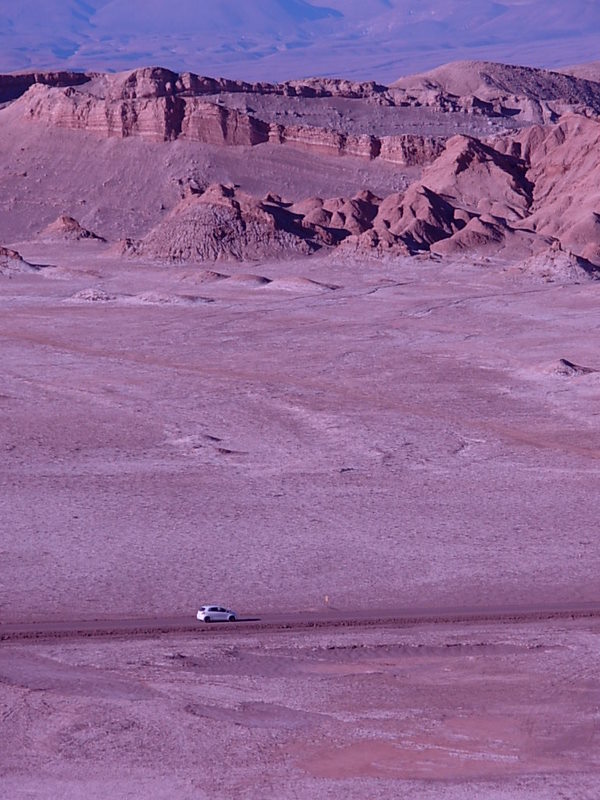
{"x":206,"y":619}
{"x":231,"y":618}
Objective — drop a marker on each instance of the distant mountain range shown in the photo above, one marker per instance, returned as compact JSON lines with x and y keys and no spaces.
{"x":281,"y":39}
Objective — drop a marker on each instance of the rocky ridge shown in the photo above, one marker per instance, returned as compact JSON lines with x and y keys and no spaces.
{"x":475,"y":196}
{"x":531,"y":190}
{"x":160,"y":106}
{"x":500,"y":90}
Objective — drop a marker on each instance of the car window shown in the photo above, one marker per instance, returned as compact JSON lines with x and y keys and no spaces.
{"x":213,"y":608}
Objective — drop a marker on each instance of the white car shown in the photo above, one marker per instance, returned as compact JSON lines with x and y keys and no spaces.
{"x":216,"y":614}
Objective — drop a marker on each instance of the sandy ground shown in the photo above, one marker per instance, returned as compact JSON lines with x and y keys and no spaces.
{"x":400,"y":441}
{"x":391,"y":434}
{"x":431,"y":712}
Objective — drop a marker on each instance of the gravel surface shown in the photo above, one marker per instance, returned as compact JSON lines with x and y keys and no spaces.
{"x":402,"y":441}
{"x":485,"y":711}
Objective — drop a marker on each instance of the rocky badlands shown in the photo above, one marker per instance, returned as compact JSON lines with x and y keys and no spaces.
{"x":325,"y":352}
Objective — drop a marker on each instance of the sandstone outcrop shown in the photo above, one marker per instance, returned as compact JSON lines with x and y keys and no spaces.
{"x":68,"y":228}
{"x":318,"y":140}
{"x":516,"y":193}
{"x":527,"y":191}
{"x":334,"y":87}
{"x":411,"y":150}
{"x":532,"y":191}
{"x":213,"y":124}
{"x":161,"y":118}
{"x":159,"y":105}
{"x":13,"y":263}
{"x":160,"y":82}
{"x":222,"y":224}
{"x":564,"y":172}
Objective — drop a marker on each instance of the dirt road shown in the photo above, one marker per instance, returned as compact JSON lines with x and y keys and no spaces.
{"x":271,"y":622}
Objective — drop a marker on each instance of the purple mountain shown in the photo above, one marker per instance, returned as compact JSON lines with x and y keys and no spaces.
{"x":278,"y":39}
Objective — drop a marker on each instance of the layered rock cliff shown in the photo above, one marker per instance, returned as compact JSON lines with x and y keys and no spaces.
{"x":526,"y":190}
{"x":161,"y":106}
{"x":534,"y":192}
{"x":156,"y":118}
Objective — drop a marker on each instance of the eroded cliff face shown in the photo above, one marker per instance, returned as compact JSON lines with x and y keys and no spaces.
{"x":524,"y":190}
{"x":410,"y":150}
{"x":213,"y":124}
{"x":517,"y":193}
{"x":159,"y":82}
{"x":153,"y":118}
{"x":157,"y":118}
{"x":159,"y":105}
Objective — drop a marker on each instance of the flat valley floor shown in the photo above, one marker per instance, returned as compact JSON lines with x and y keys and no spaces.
{"x":434,"y":712}
{"x":396,"y":434}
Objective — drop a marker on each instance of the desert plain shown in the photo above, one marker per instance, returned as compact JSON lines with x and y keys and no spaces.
{"x":326,"y":353}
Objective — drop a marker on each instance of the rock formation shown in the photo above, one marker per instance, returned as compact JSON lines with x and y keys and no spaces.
{"x":538,"y":186}
{"x":159,"y":105}
{"x":480,"y":87}
{"x":564,"y":171}
{"x":161,"y":118}
{"x":515,"y":191}
{"x":568,"y":369}
{"x":66,"y":227}
{"x":555,"y":265}
{"x":532,"y":189}
{"x":222,"y":224}
{"x":12,"y":263}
